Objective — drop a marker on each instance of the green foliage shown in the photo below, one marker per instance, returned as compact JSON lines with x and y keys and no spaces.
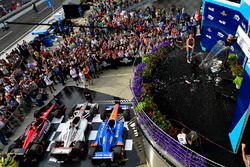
{"x":237,"y":70}
{"x":146,"y":58}
{"x":147,"y":104}
{"x":147,"y":89}
{"x":140,"y":106}
{"x":161,"y":121}
{"x":161,"y":53}
{"x":147,"y":73}
{"x":151,"y":61}
{"x":232,"y":59}
{"x":238,"y":80}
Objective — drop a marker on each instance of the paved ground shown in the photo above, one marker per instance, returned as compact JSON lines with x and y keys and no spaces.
{"x":108,"y":83}
{"x":111,"y":83}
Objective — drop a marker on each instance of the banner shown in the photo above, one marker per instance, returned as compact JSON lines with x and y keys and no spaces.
{"x":218,"y":22}
{"x":49,"y":3}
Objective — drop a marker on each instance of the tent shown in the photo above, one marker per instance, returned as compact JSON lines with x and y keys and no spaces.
{"x":74,"y":8}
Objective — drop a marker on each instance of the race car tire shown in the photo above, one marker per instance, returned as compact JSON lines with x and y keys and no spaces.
{"x":96,"y":109}
{"x":125,"y":133}
{"x":60,"y":111}
{"x":94,"y":112}
{"x":117,"y":152}
{"x":126,"y":115}
{"x":80,"y":148}
{"x":91,"y":152}
{"x":88,"y":130}
{"x":37,"y":113}
{"x":72,"y":111}
{"x":103,"y":115}
{"x":37,"y":150}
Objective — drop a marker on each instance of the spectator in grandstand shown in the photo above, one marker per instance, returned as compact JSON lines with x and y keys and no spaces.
{"x":87,"y":75}
{"x":74,"y":74}
{"x":49,"y":83}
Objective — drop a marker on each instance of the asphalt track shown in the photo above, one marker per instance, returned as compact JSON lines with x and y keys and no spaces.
{"x":9,"y":37}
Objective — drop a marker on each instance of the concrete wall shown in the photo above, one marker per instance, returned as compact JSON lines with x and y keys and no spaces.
{"x":153,"y":158}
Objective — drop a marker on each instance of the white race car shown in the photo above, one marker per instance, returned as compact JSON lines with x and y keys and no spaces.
{"x":71,"y":143}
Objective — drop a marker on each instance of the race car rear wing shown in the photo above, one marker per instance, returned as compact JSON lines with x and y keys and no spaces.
{"x":61,"y":150}
{"x":19,"y":152}
{"x":103,"y":155}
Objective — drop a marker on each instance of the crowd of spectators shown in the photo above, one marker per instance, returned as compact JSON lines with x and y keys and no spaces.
{"x":120,"y":37}
{"x":12,"y":7}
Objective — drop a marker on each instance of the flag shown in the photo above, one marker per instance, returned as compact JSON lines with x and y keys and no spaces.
{"x":49,"y":2}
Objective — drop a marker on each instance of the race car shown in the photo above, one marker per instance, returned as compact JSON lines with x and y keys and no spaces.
{"x":89,"y":110}
{"x":124,"y":109}
{"x":109,"y":142}
{"x":71,"y":143}
{"x":58,"y":110}
{"x":31,"y":145}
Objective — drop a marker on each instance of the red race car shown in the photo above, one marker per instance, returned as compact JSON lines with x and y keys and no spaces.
{"x":32,"y":144}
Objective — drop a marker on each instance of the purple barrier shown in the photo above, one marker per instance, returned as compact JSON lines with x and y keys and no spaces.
{"x":166,"y":43}
{"x":166,"y":143}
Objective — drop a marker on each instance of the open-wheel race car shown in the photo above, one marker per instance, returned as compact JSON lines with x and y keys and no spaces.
{"x":72,"y":142}
{"x":110,"y":140}
{"x":32,"y":144}
{"x":123,"y":109}
{"x":89,"y":110}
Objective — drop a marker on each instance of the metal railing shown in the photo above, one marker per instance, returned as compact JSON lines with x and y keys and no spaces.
{"x":167,"y":147}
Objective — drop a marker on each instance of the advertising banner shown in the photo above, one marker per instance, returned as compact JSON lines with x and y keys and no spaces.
{"x":219,"y":20}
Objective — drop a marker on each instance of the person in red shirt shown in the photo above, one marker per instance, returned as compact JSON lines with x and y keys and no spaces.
{"x":87,"y":75}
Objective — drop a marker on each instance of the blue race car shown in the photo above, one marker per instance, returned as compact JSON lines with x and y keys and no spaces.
{"x":124,"y":109}
{"x":110,"y":140}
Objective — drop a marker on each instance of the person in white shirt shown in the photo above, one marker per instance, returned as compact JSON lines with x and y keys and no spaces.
{"x":182,"y":137}
{"x":82,"y":78}
{"x":74,"y":75}
{"x":49,"y":83}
